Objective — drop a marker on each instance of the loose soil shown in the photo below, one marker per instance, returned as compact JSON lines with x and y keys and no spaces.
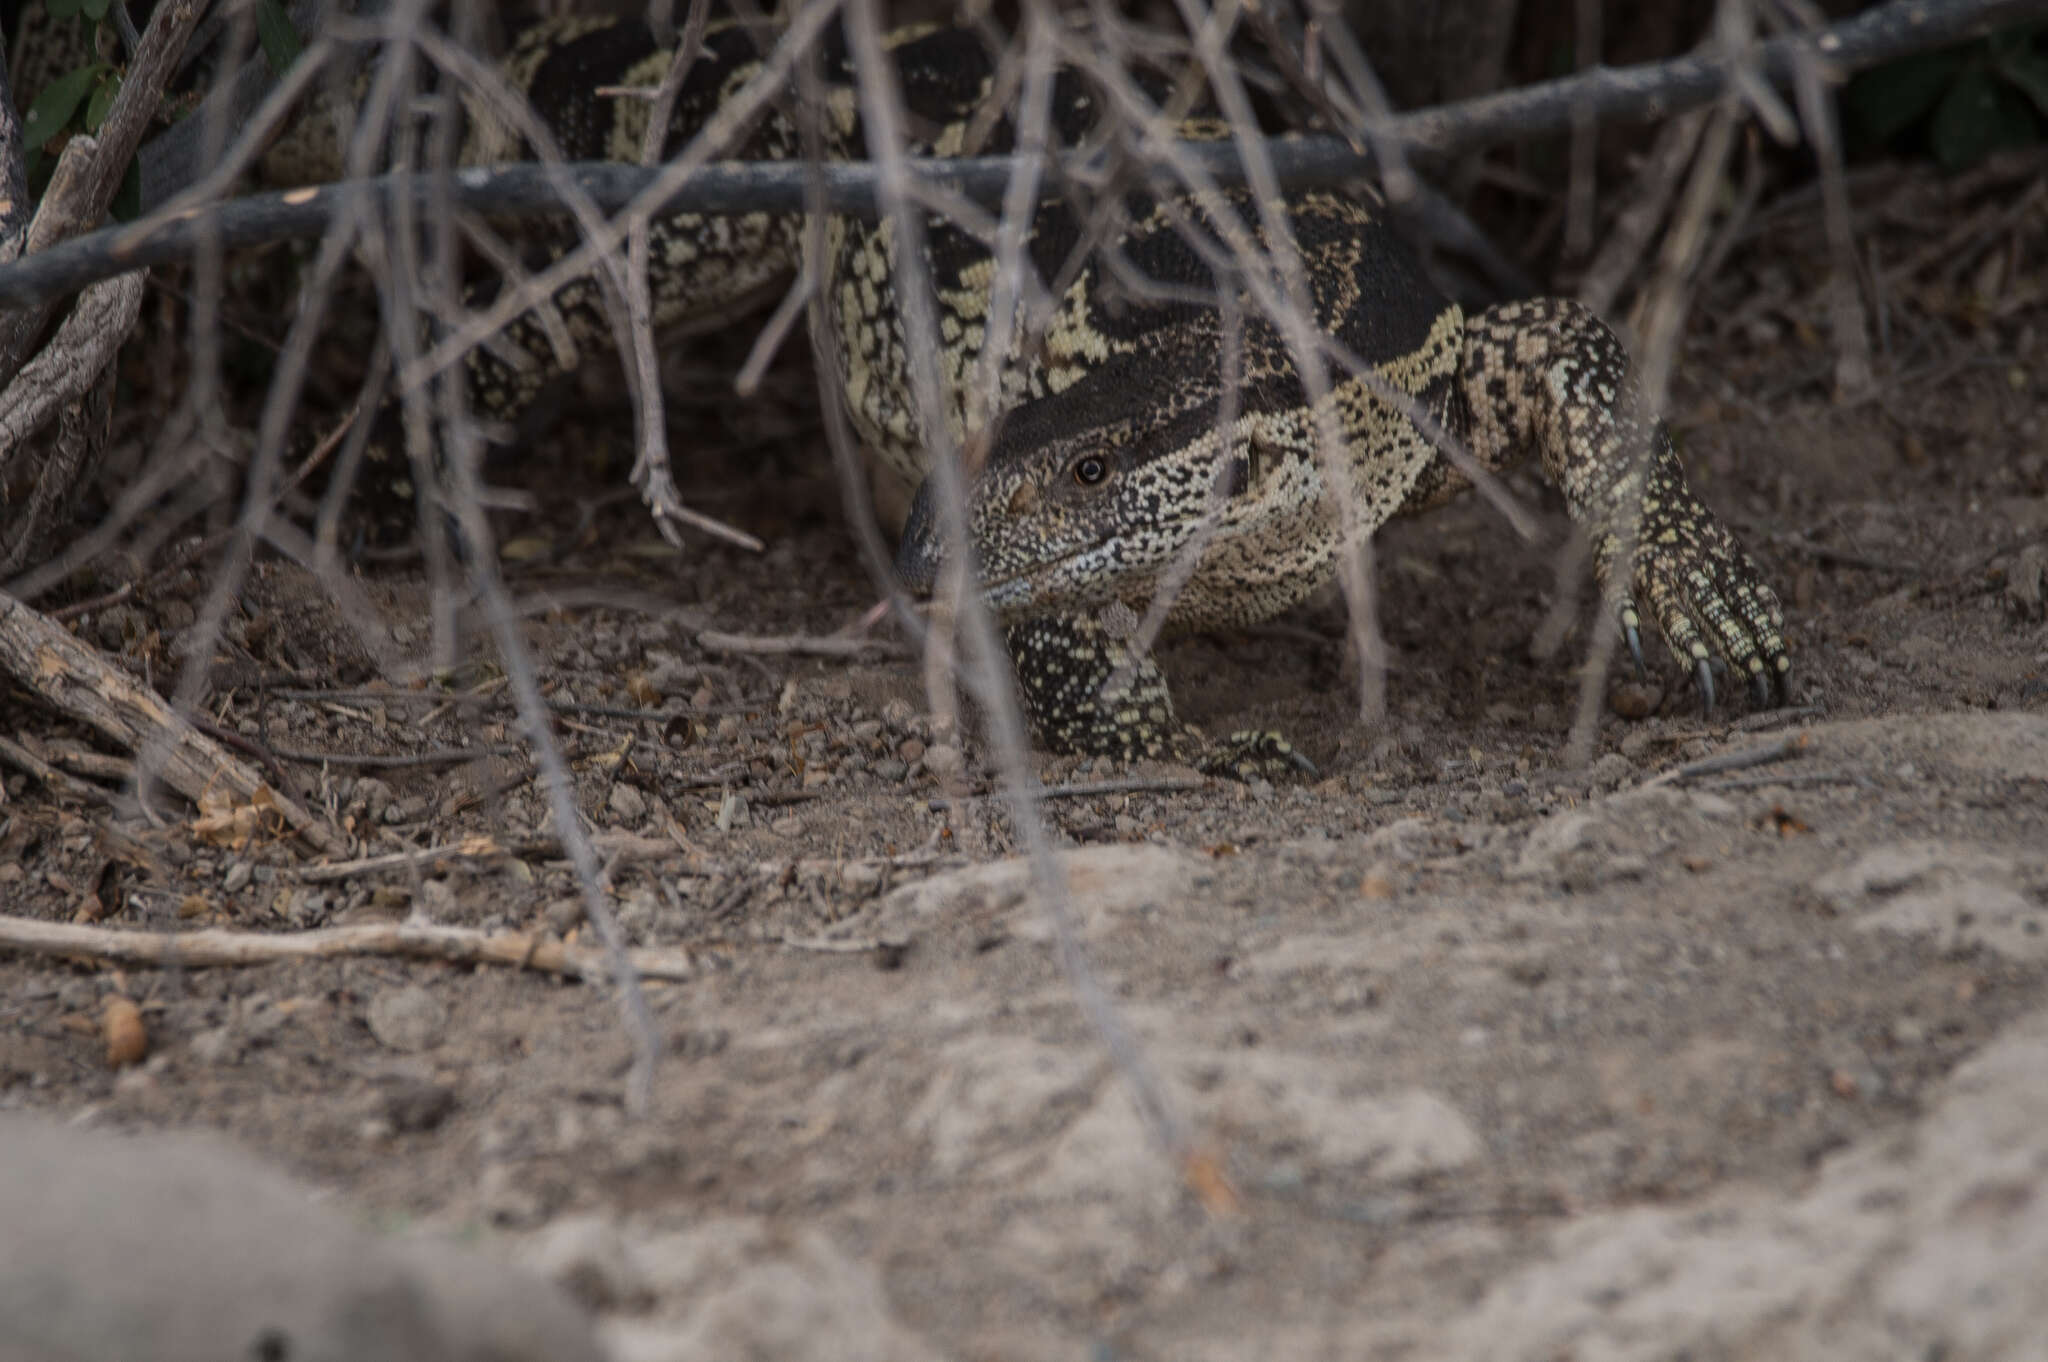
{"x":1483,"y":1053}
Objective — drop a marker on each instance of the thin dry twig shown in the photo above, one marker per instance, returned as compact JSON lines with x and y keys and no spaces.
{"x":798,"y":645}
{"x":1792,"y":745}
{"x":214,"y":949}
{"x":381,"y":761}
{"x":19,"y":756}
{"x":692,"y":183}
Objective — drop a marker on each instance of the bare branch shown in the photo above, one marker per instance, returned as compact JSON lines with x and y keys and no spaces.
{"x":1650,"y":91}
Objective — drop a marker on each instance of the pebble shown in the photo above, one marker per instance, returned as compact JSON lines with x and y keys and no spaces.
{"x":374,"y":795}
{"x":216,"y":1046}
{"x":1611,"y":769}
{"x":1634,"y":700}
{"x":892,"y":768}
{"x":437,"y":900}
{"x":943,"y":759}
{"x":628,"y":803}
{"x":790,"y":825}
{"x":910,"y":749}
{"x":563,"y":915}
{"x":407,"y":1019}
{"x":238,"y":877}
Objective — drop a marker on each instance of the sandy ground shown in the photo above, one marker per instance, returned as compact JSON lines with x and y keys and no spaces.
{"x":1485,"y":1056}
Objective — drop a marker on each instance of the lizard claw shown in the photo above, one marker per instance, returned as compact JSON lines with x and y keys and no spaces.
{"x":1634,"y":638}
{"x":1708,"y":598}
{"x":1250,"y":753}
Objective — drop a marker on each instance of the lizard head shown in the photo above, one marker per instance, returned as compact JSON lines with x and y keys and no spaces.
{"x":1081,"y":503}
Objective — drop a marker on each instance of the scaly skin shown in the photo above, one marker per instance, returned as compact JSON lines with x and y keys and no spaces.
{"x":1078,"y":530}
{"x":1130,"y":386}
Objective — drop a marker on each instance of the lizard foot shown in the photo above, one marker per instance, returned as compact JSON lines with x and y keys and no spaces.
{"x":1706,"y":595}
{"x":1253,"y":754}
{"x":1087,"y":692}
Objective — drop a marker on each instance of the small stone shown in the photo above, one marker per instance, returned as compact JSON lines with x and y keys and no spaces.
{"x":563,"y":916}
{"x":943,"y":759}
{"x":789,"y":825}
{"x":628,"y":803}
{"x":238,"y":877}
{"x":868,"y":730}
{"x":892,"y":768}
{"x":897,"y":712}
{"x":911,"y":750}
{"x":1634,"y":700}
{"x":374,"y":795}
{"x":1611,"y":769}
{"x":437,"y":900}
{"x":306,"y":908}
{"x":407,"y":1019}
{"x":638,"y":913}
{"x":216,"y":1046}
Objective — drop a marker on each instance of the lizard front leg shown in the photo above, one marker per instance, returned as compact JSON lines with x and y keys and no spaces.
{"x":1086,"y":691}
{"x":1547,"y":376}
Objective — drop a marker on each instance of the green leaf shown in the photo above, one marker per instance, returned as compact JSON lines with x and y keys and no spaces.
{"x":1888,"y":100}
{"x":95,"y":10}
{"x":281,"y":44}
{"x":2027,"y":70}
{"x":1979,"y":115}
{"x":56,"y":102}
{"x":102,"y":100}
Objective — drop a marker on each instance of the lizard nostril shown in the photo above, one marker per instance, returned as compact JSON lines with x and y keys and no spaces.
{"x":1024,"y":500}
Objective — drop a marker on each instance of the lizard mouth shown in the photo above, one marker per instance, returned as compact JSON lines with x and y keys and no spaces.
{"x":1015,"y":589}
{"x":921,"y":557}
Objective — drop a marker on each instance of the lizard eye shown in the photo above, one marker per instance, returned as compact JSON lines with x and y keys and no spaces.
{"x":1090,"y":469}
